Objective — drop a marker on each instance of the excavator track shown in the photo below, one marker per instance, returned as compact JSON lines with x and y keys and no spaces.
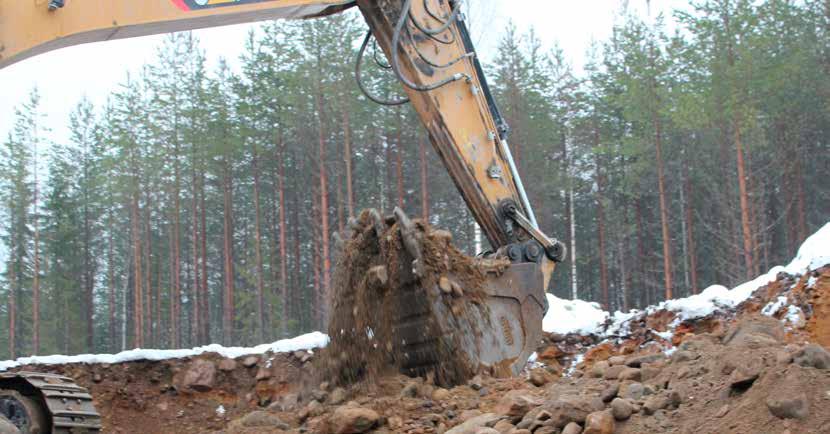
{"x":40,"y":403}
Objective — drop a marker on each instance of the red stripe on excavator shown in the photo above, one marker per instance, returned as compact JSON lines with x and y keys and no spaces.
{"x":181,"y":5}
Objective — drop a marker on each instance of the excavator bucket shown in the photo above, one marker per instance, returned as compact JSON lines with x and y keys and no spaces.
{"x":405,"y":298}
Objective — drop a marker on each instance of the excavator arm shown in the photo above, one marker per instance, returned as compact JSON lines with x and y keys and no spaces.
{"x":460,"y":114}
{"x":430,"y":53}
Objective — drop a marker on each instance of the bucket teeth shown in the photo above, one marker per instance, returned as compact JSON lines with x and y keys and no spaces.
{"x":377,"y":222}
{"x":411,"y":241}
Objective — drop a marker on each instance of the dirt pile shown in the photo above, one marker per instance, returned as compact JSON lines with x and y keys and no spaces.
{"x":754,"y":369}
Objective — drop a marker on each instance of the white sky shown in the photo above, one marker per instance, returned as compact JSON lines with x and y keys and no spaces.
{"x":94,"y":70}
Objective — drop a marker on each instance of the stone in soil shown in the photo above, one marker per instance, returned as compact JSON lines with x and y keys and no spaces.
{"x":353,"y":420}
{"x":813,"y":356}
{"x":600,"y":422}
{"x":789,"y":407}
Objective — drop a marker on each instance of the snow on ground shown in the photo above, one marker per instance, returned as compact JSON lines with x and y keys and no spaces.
{"x":300,"y":343}
{"x":577,"y":316}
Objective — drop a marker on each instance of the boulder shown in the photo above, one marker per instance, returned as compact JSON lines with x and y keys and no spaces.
{"x":472,"y":425}
{"x":789,"y":407}
{"x":613,"y":372}
{"x":250,"y":361}
{"x":227,"y":365}
{"x":621,"y":409}
{"x":564,"y":411}
{"x":632,"y":391}
{"x":540,"y":376}
{"x":337,"y":396}
{"x":616,"y":360}
{"x":813,"y":356}
{"x":199,"y":376}
{"x":440,"y":394}
{"x":630,"y":374}
{"x":638,"y":361}
{"x":654,"y":403}
{"x":600,"y":422}
{"x":353,"y":420}
{"x":598,"y":370}
{"x":572,"y":428}
{"x":610,"y":392}
{"x":503,"y":427}
{"x":516,"y":403}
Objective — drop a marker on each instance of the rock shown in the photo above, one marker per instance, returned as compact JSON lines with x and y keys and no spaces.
{"x":6,"y":427}
{"x":600,"y":422}
{"x":476,"y":383}
{"x":630,"y":374}
{"x":638,"y":361}
{"x":722,"y":411}
{"x":286,"y":402}
{"x":796,"y":407}
{"x":227,"y":365}
{"x":649,"y":371}
{"x":654,"y":403}
{"x":621,"y":409}
{"x":445,"y":285}
{"x":613,"y":372}
{"x":503,"y":427}
{"x":521,"y":431}
{"x":610,"y":392}
{"x":353,"y":420}
{"x":563,"y":411}
{"x":260,"y":418}
{"x":683,"y":356}
{"x":410,"y":390}
{"x":540,"y":376}
{"x":377,"y":277}
{"x":515,"y":404}
{"x":546,"y":430}
{"x":743,"y":376}
{"x":263,"y":373}
{"x":312,"y":409}
{"x":486,"y":430}
{"x":598,"y":370}
{"x":440,"y":394}
{"x":200,"y":376}
{"x":616,"y":360}
{"x":337,"y":396}
{"x":756,"y":332}
{"x":633,"y":391}
{"x":572,"y":428}
{"x":250,"y":361}
{"x":813,"y":356}
{"x":472,"y":425}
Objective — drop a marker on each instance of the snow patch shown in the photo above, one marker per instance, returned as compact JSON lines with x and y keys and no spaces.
{"x":304,"y":342}
{"x":774,"y":306}
{"x":573,"y":316}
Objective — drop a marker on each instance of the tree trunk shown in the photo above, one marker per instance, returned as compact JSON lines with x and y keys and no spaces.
{"x":600,"y":180}
{"x":176,"y":299}
{"x":111,"y":280}
{"x":283,"y":257}
{"x":195,"y":293}
{"x":324,"y":208}
{"x":138,"y":300}
{"x":347,"y":161}
{"x":664,"y":211}
{"x":746,"y":226}
{"x":204,"y":309}
{"x":13,"y":295}
{"x":228,"y":300}
{"x":398,"y":161}
{"x":36,"y":271}
{"x":690,"y":237}
{"x":260,"y":296}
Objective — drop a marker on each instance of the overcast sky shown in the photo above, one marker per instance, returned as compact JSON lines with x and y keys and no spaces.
{"x":94,"y":70}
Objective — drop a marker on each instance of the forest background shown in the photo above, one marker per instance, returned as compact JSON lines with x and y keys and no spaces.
{"x":196,"y":205}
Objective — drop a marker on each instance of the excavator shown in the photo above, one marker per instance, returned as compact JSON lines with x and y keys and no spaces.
{"x":429,"y":51}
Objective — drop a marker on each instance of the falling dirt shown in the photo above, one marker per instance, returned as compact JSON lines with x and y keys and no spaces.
{"x":382,"y":320}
